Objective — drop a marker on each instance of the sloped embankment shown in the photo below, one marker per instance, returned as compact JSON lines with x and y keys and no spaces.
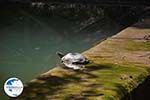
{"x":118,"y":65}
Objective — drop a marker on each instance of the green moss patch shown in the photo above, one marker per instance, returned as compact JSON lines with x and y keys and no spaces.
{"x":105,"y":81}
{"x":138,"y":45}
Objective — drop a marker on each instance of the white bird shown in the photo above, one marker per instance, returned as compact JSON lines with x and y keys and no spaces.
{"x":73,"y":60}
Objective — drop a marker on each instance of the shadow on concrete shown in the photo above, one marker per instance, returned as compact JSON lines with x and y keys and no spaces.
{"x":50,"y":85}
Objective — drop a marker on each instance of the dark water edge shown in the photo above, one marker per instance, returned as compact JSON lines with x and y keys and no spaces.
{"x":142,"y":92}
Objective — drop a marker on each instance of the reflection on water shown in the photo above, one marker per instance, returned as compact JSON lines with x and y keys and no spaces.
{"x":28,"y":42}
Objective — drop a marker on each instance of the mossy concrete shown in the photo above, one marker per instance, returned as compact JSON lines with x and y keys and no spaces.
{"x":117,"y":66}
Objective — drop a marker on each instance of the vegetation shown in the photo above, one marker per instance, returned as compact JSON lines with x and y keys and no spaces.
{"x":137,"y":46}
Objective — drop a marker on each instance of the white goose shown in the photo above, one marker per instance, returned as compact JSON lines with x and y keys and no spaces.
{"x":73,"y":60}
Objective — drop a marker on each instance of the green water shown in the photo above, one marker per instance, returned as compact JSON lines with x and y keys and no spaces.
{"x":28,"y":42}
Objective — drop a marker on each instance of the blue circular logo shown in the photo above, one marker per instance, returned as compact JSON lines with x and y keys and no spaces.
{"x":13,"y":87}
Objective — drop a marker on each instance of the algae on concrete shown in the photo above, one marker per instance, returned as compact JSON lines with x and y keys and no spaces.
{"x":102,"y":81}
